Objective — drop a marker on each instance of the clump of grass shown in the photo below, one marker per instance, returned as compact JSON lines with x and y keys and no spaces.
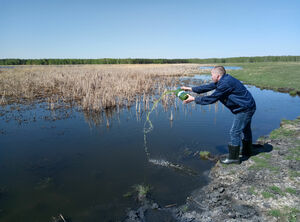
{"x":293,"y":92}
{"x":204,"y":155}
{"x":293,"y":174}
{"x":142,"y":191}
{"x":285,"y":214}
{"x":267,"y":194}
{"x":276,"y":190}
{"x":275,"y":213}
{"x":290,"y":190}
{"x":293,"y":215}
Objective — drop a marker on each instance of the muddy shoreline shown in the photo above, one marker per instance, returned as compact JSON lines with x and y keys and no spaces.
{"x":265,"y":187}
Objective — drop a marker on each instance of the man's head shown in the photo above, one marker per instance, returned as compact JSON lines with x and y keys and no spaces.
{"x":217,"y":72}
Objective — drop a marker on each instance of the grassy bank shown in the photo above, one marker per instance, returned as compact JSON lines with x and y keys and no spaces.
{"x":280,"y":76}
{"x":263,"y":188}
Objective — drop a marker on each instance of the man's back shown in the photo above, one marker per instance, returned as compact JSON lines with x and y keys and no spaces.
{"x":236,"y":97}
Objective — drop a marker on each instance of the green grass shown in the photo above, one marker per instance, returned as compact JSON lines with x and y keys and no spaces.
{"x":262,"y":163}
{"x":294,"y":153}
{"x":252,"y":191}
{"x":275,"y":213}
{"x":292,"y":215}
{"x":290,"y":122}
{"x":293,"y":92}
{"x":267,"y":195}
{"x":273,"y":75}
{"x":276,"y":190}
{"x":293,"y":174}
{"x":142,"y":189}
{"x":281,"y":133}
{"x":204,"y":154}
{"x":290,"y":190}
{"x":266,"y":155}
{"x":285,"y":214}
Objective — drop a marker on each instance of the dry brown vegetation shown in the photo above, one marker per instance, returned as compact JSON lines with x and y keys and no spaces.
{"x":91,"y":87}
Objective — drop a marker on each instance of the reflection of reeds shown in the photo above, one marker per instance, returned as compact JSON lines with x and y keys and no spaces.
{"x":93,"y":87}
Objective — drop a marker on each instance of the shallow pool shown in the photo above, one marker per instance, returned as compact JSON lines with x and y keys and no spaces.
{"x":81,"y":165}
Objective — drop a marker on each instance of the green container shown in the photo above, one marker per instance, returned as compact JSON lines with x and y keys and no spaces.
{"x":181,"y":94}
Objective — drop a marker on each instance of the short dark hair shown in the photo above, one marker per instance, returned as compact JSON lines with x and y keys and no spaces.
{"x":220,"y":70}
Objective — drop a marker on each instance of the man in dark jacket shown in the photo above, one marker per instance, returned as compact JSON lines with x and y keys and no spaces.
{"x":234,"y":95}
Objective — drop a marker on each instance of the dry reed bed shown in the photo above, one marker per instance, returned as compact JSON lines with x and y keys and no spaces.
{"x":92,"y":87}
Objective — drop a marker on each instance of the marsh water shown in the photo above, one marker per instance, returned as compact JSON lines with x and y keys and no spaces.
{"x":226,"y":67}
{"x":80,"y":165}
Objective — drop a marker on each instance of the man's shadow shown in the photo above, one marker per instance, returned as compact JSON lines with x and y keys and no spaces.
{"x":257,"y":149}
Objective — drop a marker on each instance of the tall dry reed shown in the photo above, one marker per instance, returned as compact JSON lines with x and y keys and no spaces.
{"x":92,"y":87}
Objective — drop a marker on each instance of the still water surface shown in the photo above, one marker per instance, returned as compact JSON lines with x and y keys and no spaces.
{"x":226,"y":67}
{"x":73,"y":167}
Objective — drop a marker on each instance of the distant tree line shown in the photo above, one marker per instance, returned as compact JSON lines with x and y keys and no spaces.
{"x":87,"y":61}
{"x":147,"y":61}
{"x":248,"y":59}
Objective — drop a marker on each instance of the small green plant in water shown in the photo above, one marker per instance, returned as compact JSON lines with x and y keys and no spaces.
{"x":293,"y":92}
{"x":204,"y":155}
{"x":128,"y":194}
{"x":142,"y":191}
{"x":187,"y":152}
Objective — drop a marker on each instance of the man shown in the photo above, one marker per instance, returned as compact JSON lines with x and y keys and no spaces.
{"x":234,"y":95}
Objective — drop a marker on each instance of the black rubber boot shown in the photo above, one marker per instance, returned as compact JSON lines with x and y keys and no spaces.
{"x":247,"y":148}
{"x":233,"y":156}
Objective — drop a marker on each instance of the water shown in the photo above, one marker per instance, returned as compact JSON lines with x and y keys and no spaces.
{"x":226,"y":67}
{"x":82,"y":170}
{"x":7,"y":67}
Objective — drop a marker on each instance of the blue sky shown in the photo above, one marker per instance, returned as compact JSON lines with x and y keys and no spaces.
{"x":148,"y":29}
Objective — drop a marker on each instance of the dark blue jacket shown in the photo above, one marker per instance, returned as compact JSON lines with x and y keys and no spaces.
{"x":230,"y":91}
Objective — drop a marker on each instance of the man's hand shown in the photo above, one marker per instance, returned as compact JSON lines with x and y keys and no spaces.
{"x":186,"y":88}
{"x":189,"y":99}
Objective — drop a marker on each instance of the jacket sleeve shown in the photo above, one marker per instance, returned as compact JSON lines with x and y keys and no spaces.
{"x":204,"y":88}
{"x":221,"y":91}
